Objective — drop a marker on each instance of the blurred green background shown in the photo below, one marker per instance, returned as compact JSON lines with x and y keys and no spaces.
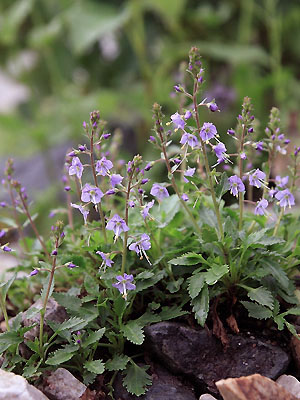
{"x":60,"y":59}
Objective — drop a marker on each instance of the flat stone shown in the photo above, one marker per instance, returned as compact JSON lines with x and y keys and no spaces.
{"x":253,"y":387}
{"x":15,"y":387}
{"x":207,"y":396}
{"x":62,"y":385}
{"x":54,"y":312}
{"x":165,"y":386}
{"x":201,"y":357}
{"x":290,"y":383}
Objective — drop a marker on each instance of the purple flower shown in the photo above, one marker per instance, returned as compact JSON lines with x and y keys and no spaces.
{"x":285,"y":198}
{"x":159,"y":191}
{"x":208,"y":131}
{"x":148,"y":166}
{"x":144,"y":181}
{"x":272,"y":192}
{"x":118,"y":225}
{"x":6,"y":248}
{"x":243,"y":156}
{"x":76,"y":168}
{"x":185,"y":197}
{"x":259,"y":146}
{"x":71,"y":265}
{"x":250,"y":130}
{"x":103,"y":166}
{"x":67,"y":188}
{"x":131,"y":204}
{"x":281,"y":182}
{"x":236,"y":185}
{"x":106,"y":135}
{"x":187,"y":114}
{"x":110,"y":192}
{"x":2,"y":233}
{"x":84,"y":212}
{"x":257,"y":178}
{"x":178,"y":121}
{"x":107,"y":262}
{"x":281,"y":150}
{"x":190,"y":139}
{"x":188,"y":172}
{"x":281,"y":136}
{"x":91,"y":193}
{"x":82,"y":147}
{"x":141,"y":246}
{"x":261,"y":206}
{"x":34,"y":272}
{"x":116,"y":179}
{"x":231,"y":132}
{"x":152,"y":139}
{"x":124,"y":284}
{"x":3,"y":204}
{"x":220,"y":150}
{"x":146,"y":208}
{"x":213,"y":107}
{"x":54,"y":253}
{"x":51,"y":214}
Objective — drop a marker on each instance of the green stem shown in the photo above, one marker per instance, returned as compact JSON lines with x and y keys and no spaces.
{"x":3,"y":308}
{"x":208,"y":172}
{"x":20,"y":230}
{"x":126,"y":221}
{"x":241,"y":194}
{"x":278,"y":222}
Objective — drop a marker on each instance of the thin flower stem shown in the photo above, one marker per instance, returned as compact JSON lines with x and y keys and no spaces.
{"x":278,"y":222}
{"x":20,"y":230}
{"x":70,"y":214}
{"x":124,"y":253}
{"x":33,"y":225}
{"x":3,"y":308}
{"x":208,"y":172}
{"x":96,"y":183}
{"x":241,"y":194}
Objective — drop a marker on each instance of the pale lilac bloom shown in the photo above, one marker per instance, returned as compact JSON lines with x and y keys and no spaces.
{"x":178,"y":121}
{"x":118,"y":225}
{"x":188,"y":172}
{"x":187,"y":114}
{"x":185,"y":197}
{"x":6,"y":248}
{"x":116,"y":179}
{"x":34,"y":272}
{"x":103,"y":166}
{"x":91,"y":193}
{"x":159,"y":191}
{"x":261,"y":206}
{"x":281,"y":150}
{"x":106,"y":262}
{"x":146,"y":208}
{"x":259,"y":146}
{"x":190,"y":139}
{"x":208,"y":131}
{"x":124,"y":284}
{"x":131,"y":204}
{"x":220,"y":150}
{"x":236,"y":185}
{"x":2,"y":233}
{"x":256,"y":178}
{"x":76,"y":168}
{"x":285,"y":198}
{"x":84,"y":212}
{"x":141,"y":246}
{"x":110,"y":192}
{"x":281,"y":182}
{"x":243,"y":156}
{"x":272,"y":192}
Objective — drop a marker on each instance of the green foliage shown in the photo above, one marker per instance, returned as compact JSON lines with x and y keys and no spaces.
{"x":136,"y":379}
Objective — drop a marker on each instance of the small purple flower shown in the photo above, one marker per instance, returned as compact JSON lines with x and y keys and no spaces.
{"x":51,"y":214}
{"x":190,"y":139}
{"x":106,"y":262}
{"x":76,"y":168}
{"x":131,"y":204}
{"x":185,"y":197}
{"x":116,"y":179}
{"x":91,"y":193}
{"x":103,"y":166}
{"x":188,"y":172}
{"x":84,"y":212}
{"x":250,"y":130}
{"x":110,"y":192}
{"x":54,"y":253}
{"x":257,"y":178}
{"x":2,"y":233}
{"x":146,"y":208}
{"x":159,"y":191}
{"x":272,"y":192}
{"x":152,"y":139}
{"x":259,"y":146}
{"x":177,"y":161}
{"x":144,"y":181}
{"x":236,"y":185}
{"x":213,"y":107}
{"x":71,"y":265}
{"x":208,"y":131}
{"x":118,"y":225}
{"x":34,"y":272}
{"x":106,"y":135}
{"x":3,"y":204}
{"x":178,"y":121}
{"x":141,"y":246}
{"x":6,"y":248}
{"x":148,"y":166}
{"x":281,"y":182}
{"x":231,"y":132}
{"x":280,"y":137}
{"x":243,"y":156}
{"x":67,"y":188}
{"x":281,"y":150}
{"x":285,"y":198}
{"x":261,"y":206}
{"x":82,"y":147}
{"x":187,"y":114}
{"x":220,"y":150}
{"x":124,"y":284}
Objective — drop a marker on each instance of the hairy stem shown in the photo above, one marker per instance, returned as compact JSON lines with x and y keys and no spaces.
{"x":241,"y":194}
{"x":124,"y":254}
{"x":278,"y":222}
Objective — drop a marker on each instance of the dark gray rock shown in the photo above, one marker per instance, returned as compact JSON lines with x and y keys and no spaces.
{"x":199,"y":355}
{"x":164,"y":387}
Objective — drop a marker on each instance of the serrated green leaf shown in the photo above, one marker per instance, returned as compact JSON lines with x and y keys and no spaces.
{"x":119,"y":306}
{"x":174,"y":286}
{"x":88,"y":377}
{"x":257,"y":310}
{"x":196,"y":283}
{"x":72,"y":324}
{"x":93,"y":337}
{"x":188,"y":259}
{"x":171,"y":313}
{"x":262,"y":296}
{"x":72,"y":303}
{"x":223,"y":186}
{"x":117,"y":363}
{"x":280,"y":321}
{"x":91,"y":285}
{"x":4,"y":286}
{"x":133,"y":332}
{"x":277,"y":272}
{"x":201,"y":305}
{"x":136,"y":379}
{"x":291,"y":328}
{"x":9,"y":338}
{"x":215,"y":273}
{"x":59,"y":356}
{"x":96,"y":366}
